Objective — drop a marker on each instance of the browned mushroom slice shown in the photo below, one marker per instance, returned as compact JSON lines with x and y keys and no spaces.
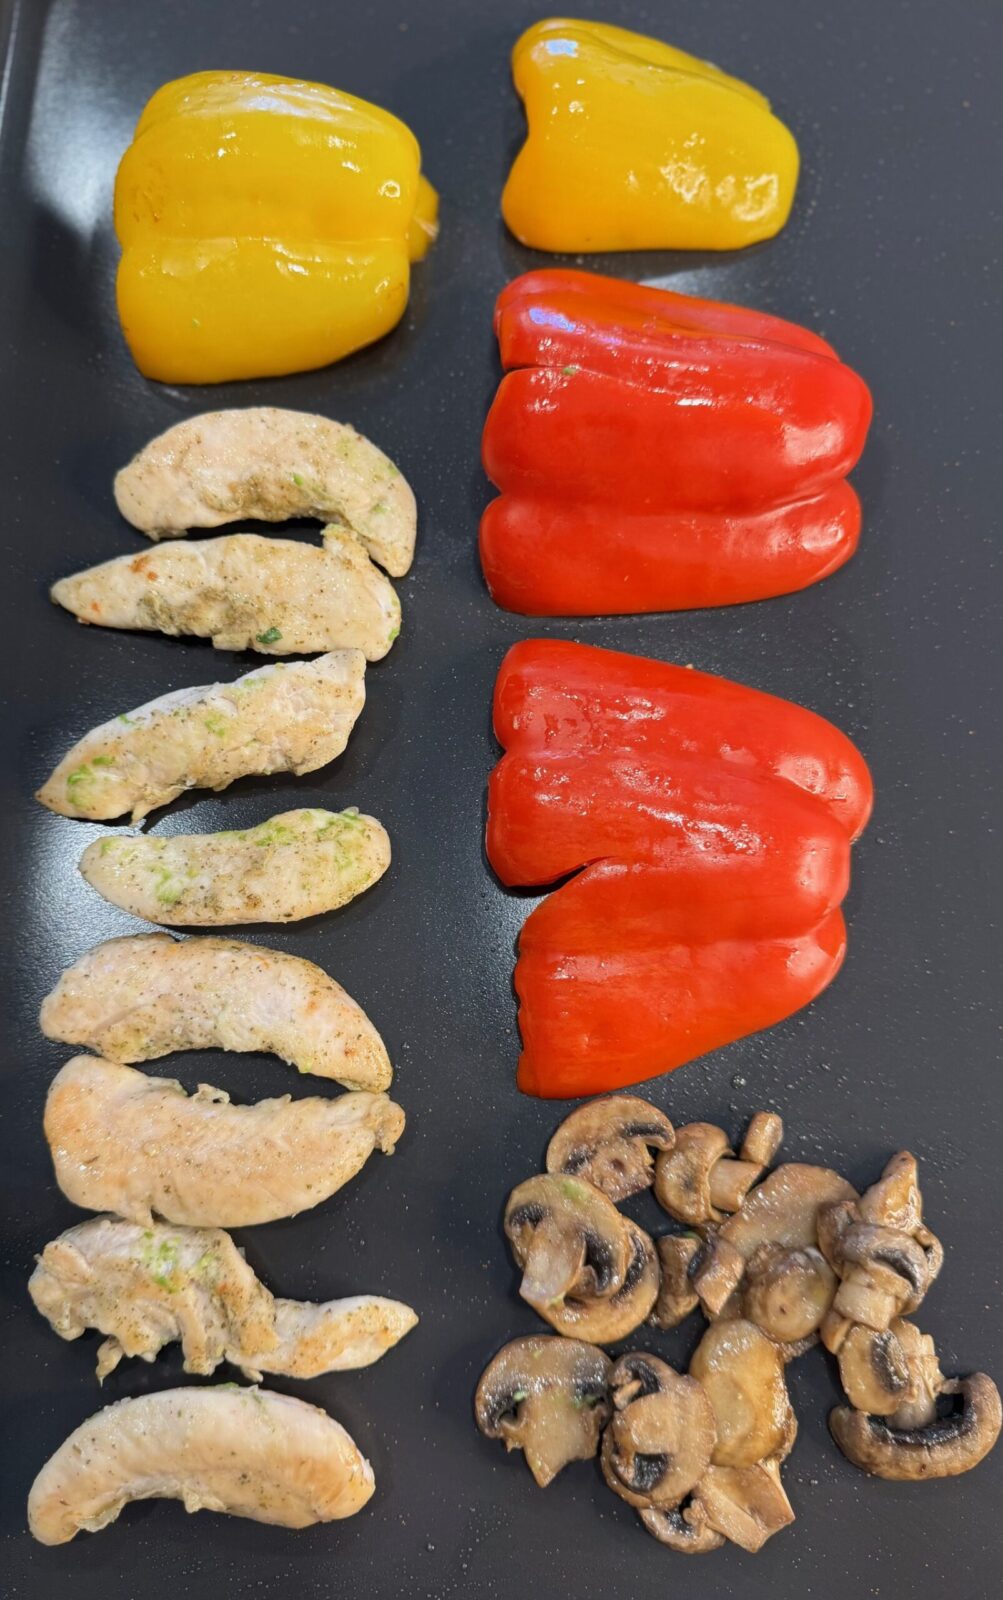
{"x":874,"y":1370}
{"x":895,"y":1200}
{"x":701,"y":1180}
{"x":788,"y":1293}
{"x":946,"y":1447}
{"x":548,"y":1398}
{"x":609,"y":1142}
{"x":684,"y":1528}
{"x":742,"y":1373}
{"x":745,"y":1504}
{"x":658,"y":1443}
{"x":884,"y":1273}
{"x":926,"y":1381}
{"x":568,"y":1239}
{"x":783,"y":1212}
{"x":679,"y":1255}
{"x":604,"y":1320}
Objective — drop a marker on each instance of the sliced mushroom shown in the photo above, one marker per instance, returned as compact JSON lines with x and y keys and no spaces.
{"x":659,"y":1440}
{"x":782,"y":1212}
{"x":683,"y":1528}
{"x":926,"y":1379}
{"x":946,"y":1447}
{"x":874,"y":1370}
{"x":717,"y":1278}
{"x":603,"y":1321}
{"x":568,"y":1239}
{"x":700,"y":1180}
{"x":884,"y":1273}
{"x":745,"y":1504}
{"x":548,"y":1398}
{"x":679,"y":1255}
{"x":608,"y":1142}
{"x":884,"y":1254}
{"x":683,"y":1174}
{"x":588,"y":1271}
{"x":788,"y":1293}
{"x":742,"y":1372}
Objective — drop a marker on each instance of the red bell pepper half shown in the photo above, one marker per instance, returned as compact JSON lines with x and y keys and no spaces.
{"x":657,"y":452}
{"x":709,"y":826}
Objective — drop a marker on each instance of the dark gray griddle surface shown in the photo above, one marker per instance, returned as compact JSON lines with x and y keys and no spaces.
{"x":893,"y":252}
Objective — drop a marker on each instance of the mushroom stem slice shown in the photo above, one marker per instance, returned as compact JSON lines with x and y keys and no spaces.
{"x":730,"y":1182}
{"x":678,"y":1255}
{"x":548,"y":1398}
{"x":746,"y":1504}
{"x":763,"y":1138}
{"x":609,"y":1141}
{"x":249,"y":1452}
{"x":718,"y":1276}
{"x":945,"y":1448}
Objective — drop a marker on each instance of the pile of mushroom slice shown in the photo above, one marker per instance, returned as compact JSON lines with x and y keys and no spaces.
{"x":777,"y":1260}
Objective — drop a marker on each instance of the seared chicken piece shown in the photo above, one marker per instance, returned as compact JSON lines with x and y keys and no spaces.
{"x":146,"y":1287}
{"x":270,"y":464}
{"x":245,"y":592}
{"x":282,"y":718}
{"x":295,"y":865}
{"x":247,"y":1452}
{"x":135,"y":999}
{"x":134,"y":1145}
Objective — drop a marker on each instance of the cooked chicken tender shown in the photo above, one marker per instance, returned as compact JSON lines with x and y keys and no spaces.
{"x":134,"y":1145}
{"x":247,"y":1452}
{"x":263,"y":462}
{"x":245,"y":592}
{"x":297,"y":864}
{"x":138,"y":998}
{"x":147,"y":1287}
{"x":282,"y":718}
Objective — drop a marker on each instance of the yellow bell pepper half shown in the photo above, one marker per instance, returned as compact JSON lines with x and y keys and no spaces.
{"x":267,"y":226}
{"x":634,"y":145}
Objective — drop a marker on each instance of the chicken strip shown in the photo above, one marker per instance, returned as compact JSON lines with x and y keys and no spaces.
{"x":283,"y":718}
{"x":141,"y":997}
{"x":146,"y":1287}
{"x":248,"y":1452}
{"x":263,"y":462}
{"x":297,"y":864}
{"x":245,"y":592}
{"x":134,"y":1145}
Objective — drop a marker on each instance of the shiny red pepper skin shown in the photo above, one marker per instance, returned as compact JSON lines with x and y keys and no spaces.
{"x":656,"y":452}
{"x":714,"y":826}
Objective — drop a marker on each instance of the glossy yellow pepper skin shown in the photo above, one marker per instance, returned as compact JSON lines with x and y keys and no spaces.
{"x":267,"y":226}
{"x":634,"y":145}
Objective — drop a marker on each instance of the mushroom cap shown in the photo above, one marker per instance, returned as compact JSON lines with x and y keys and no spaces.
{"x":569,"y":1240}
{"x":747,"y":1504}
{"x":682,"y":1174}
{"x":742,"y":1373}
{"x":547,"y":1397}
{"x":788,"y":1292}
{"x":946,"y":1447}
{"x":784,"y":1208}
{"x":604,"y":1319}
{"x":608,"y":1142}
{"x":683,"y":1528}
{"x":659,"y":1439}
